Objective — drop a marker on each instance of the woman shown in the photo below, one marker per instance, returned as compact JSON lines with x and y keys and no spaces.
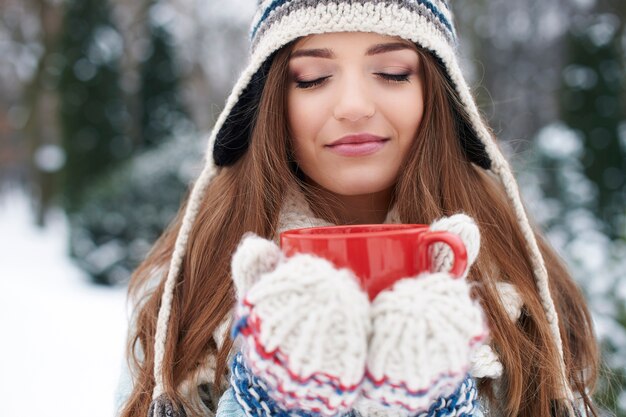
{"x":352,"y":112}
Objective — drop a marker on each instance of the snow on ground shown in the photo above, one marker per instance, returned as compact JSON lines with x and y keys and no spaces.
{"x":61,"y":338}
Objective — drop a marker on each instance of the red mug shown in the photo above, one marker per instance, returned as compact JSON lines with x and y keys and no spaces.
{"x":378,"y":254}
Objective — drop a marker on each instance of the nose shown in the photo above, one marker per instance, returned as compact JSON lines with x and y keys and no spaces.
{"x":354,"y":100}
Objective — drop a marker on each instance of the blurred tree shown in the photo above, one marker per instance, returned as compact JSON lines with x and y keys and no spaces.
{"x":93,"y":114}
{"x":161,"y":105}
{"x":583,"y":161}
{"x":30,"y":152}
{"x":563,"y":199}
{"x":555,"y":71}
{"x":40,"y":95}
{"x":512,"y":55}
{"x":120,"y":215}
{"x":593,"y":103}
{"x":126,"y":210}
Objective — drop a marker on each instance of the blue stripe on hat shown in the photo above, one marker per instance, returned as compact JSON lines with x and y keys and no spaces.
{"x":277,"y":3}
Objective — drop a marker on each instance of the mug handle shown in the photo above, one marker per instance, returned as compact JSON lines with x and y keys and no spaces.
{"x":454,"y":242}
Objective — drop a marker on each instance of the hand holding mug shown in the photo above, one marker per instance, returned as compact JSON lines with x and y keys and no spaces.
{"x":304,"y":324}
{"x":424,"y":333}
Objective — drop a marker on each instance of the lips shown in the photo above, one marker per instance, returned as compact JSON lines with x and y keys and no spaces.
{"x":357,"y":145}
{"x":357,"y":138}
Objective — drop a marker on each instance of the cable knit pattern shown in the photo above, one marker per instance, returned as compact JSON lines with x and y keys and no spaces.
{"x":254,"y":256}
{"x":438,"y":326}
{"x":435,"y":14}
{"x":305,"y":326}
{"x":251,"y":394}
{"x":463,"y":226}
{"x":462,"y":402}
{"x":296,"y":213}
{"x":511,"y":300}
{"x":407,"y":368}
{"x":424,"y":332}
{"x":485,"y":363}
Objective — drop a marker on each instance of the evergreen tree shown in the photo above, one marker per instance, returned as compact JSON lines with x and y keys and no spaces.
{"x":126,"y":210}
{"x":93,"y":115}
{"x":122,"y":215}
{"x":162,"y":108}
{"x":593,"y":97}
{"x":593,"y":104}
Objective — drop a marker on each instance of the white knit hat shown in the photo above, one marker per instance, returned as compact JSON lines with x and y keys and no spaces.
{"x":429,"y":24}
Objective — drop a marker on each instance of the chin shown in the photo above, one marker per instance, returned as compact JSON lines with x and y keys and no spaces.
{"x":359,"y":187}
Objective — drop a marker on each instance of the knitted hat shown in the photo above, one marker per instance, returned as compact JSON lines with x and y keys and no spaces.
{"x":429,"y":24}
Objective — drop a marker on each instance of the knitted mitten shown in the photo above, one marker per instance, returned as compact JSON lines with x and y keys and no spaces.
{"x":463,"y":226}
{"x":305,"y":326}
{"x":424,"y":332}
{"x":463,"y":402}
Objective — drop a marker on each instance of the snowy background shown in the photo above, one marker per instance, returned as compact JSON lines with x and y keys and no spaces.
{"x":62,"y":337}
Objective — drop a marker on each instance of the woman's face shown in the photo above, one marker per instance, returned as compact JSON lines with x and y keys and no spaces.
{"x":355,"y":102}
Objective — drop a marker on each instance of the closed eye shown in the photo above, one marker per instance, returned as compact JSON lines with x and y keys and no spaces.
{"x":398,"y":78}
{"x":312,"y":83}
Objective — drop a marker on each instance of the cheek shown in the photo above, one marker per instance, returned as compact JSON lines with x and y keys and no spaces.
{"x":405,"y":112}
{"x":301,"y":129}
{"x":306,"y":118}
{"x":300,"y":122}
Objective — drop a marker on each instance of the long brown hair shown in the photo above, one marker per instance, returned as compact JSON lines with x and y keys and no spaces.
{"x":436,"y":180}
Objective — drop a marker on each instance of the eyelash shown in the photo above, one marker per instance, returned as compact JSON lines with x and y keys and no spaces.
{"x":310,"y":84}
{"x":391,"y":78}
{"x":397,"y":78}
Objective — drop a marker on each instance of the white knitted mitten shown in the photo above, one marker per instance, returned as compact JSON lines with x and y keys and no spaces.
{"x":305,"y":326}
{"x":425,"y":330}
{"x":463,"y":226}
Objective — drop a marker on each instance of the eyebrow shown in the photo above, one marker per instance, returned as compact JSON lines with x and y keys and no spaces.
{"x":380,"y":48}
